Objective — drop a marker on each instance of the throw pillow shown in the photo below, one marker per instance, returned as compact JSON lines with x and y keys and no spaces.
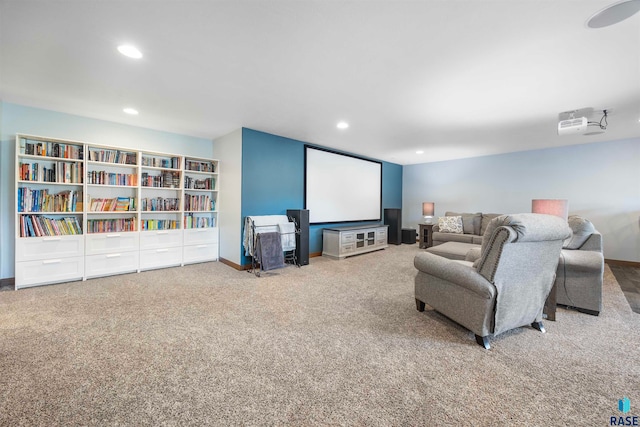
{"x":450,"y":224}
{"x":581,"y":230}
{"x":470,"y":221}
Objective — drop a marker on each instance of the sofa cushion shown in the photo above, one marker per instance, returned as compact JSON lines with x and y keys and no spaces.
{"x":450,"y":224}
{"x":439,"y":238}
{"x":470,"y":221}
{"x":452,"y":250}
{"x":581,"y":230}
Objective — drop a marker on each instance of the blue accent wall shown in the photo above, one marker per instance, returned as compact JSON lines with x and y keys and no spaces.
{"x":273,"y":180}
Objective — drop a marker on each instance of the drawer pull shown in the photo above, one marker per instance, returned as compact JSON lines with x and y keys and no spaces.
{"x":52,"y":239}
{"x":201,"y":246}
{"x":52,"y":261}
{"x":162,"y":232}
{"x":201,"y":230}
{"x":113,"y":255}
{"x":109,"y":236}
{"x":162,"y":250}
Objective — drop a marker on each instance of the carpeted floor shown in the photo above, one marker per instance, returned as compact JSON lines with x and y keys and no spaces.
{"x":331,"y":343}
{"x":629,"y":280}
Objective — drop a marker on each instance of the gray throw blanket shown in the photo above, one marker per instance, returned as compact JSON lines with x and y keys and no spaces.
{"x":269,"y":251}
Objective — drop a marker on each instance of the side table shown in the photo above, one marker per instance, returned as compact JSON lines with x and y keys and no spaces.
{"x":426,"y":235}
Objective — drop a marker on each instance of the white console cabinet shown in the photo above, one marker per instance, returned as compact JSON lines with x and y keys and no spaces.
{"x":85,"y":210}
{"x":341,"y":242}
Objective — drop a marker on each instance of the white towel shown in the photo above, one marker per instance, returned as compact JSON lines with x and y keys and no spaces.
{"x":262,"y":224}
{"x":287,"y":235}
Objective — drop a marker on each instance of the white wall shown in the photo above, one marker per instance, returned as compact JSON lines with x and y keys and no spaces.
{"x":20,"y":119}
{"x":600,"y":180}
{"x":228,"y":149}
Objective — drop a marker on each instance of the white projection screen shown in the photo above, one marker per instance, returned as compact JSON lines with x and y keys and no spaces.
{"x":341,"y":188}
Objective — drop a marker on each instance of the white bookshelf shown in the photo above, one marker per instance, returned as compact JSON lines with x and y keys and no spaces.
{"x":87,"y":210}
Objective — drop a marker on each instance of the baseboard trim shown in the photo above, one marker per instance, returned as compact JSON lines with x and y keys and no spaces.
{"x":315,"y":254}
{"x":8,"y":283}
{"x":234,"y":265}
{"x":621,"y":263}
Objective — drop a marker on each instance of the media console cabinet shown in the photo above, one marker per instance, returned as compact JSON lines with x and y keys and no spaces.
{"x":341,"y":242}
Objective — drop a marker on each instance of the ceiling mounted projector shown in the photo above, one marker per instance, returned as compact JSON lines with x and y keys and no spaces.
{"x":573,"y":126}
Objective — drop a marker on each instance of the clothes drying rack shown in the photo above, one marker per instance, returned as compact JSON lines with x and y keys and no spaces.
{"x":255,"y":225}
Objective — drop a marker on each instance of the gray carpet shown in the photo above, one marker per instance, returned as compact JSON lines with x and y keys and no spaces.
{"x":331,"y":343}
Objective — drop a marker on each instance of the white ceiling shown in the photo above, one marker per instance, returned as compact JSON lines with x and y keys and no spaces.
{"x":455,"y":78}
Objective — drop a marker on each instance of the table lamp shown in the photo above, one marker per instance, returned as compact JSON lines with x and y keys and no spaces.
{"x":557,"y":207}
{"x":428,"y":209}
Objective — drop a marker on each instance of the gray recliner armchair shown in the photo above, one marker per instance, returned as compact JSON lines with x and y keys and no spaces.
{"x":506,"y":287}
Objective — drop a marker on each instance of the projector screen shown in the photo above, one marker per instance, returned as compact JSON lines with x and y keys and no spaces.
{"x":341,"y":188}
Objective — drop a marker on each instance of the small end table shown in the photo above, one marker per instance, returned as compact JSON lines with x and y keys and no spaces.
{"x":426,"y":235}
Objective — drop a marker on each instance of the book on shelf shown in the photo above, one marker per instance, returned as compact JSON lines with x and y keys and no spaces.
{"x":111,"y":225}
{"x":192,"y":221}
{"x":112,"y":156}
{"x":200,"y":166}
{"x":33,"y":200}
{"x":161,"y":162}
{"x":50,"y":149}
{"x":40,"y":226}
{"x":100,"y":204}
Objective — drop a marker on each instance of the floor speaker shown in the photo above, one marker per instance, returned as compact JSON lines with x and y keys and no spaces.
{"x":393,"y":218}
{"x":301,"y":217}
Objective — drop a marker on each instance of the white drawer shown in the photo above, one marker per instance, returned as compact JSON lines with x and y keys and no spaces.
{"x":33,"y":248}
{"x":113,"y":263}
{"x":112,"y":242}
{"x":200,"y":235}
{"x":160,"y":257}
{"x":348,"y":237}
{"x":53,"y":270}
{"x":157,"y":239}
{"x":348,"y":248}
{"x":200,"y":253}
{"x":381,"y":234}
{"x":381,"y":242}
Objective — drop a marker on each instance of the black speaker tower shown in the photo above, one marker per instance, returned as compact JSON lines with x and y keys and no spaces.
{"x":393,"y":218}
{"x":301,"y":217}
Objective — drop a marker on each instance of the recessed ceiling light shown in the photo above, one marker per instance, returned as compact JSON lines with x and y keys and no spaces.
{"x":130,"y":51}
{"x":131,"y":111}
{"x":342,"y":125}
{"x":419,"y":152}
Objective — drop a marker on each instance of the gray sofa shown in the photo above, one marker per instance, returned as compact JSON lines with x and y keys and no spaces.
{"x":580,"y":269}
{"x":473,"y":224}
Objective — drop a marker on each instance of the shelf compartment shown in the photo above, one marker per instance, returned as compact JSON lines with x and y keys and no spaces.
{"x":202,"y":252}
{"x":111,"y":243}
{"x":112,"y":156}
{"x":160,"y":258}
{"x":196,"y":236}
{"x":111,"y":263}
{"x":157,"y":239}
{"x":39,"y":248}
{"x":46,"y":271}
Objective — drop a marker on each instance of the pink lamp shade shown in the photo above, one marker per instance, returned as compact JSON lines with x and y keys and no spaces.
{"x":428,"y":208}
{"x":557,"y":207}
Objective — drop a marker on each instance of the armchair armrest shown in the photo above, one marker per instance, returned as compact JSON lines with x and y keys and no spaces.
{"x":454,"y":272}
{"x":593,"y":243}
